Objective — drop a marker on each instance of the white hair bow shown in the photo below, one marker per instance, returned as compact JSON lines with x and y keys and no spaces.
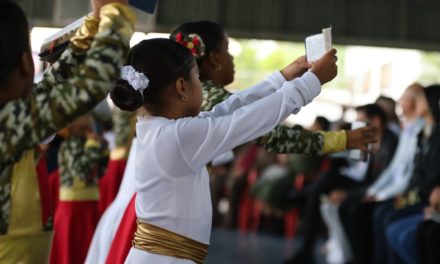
{"x":136,"y":79}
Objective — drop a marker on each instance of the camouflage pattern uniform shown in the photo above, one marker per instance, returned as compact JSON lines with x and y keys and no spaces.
{"x":79,"y":80}
{"x":123,"y":127}
{"x":81,"y":161}
{"x":282,"y":139}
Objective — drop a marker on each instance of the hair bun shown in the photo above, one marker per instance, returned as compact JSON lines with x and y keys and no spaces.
{"x":125,"y":97}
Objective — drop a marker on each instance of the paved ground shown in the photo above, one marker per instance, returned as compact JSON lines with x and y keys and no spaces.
{"x":230,"y":247}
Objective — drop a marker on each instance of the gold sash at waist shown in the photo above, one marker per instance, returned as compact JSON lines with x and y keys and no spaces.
{"x":90,"y":193}
{"x":157,"y":240}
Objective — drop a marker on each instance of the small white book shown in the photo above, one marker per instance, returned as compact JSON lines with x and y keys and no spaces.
{"x":317,"y":45}
{"x":54,"y":45}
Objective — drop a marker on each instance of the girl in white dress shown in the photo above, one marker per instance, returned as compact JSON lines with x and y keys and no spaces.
{"x":175,"y":140}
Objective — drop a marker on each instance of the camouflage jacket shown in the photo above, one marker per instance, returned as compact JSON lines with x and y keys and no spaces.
{"x":80,"y":79}
{"x":81,"y":161}
{"x":122,"y":127}
{"x":282,"y":139}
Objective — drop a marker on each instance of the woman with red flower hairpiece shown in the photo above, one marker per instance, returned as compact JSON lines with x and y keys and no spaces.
{"x":193,"y":42}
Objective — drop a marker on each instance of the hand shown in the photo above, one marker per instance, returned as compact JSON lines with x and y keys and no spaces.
{"x":296,"y":69}
{"x":337,"y":196}
{"x":361,"y":137}
{"x":434,"y":198}
{"x":81,"y":126}
{"x":93,"y":136}
{"x":427,"y":212}
{"x":399,"y":200}
{"x":325,"y":68}
{"x":97,"y":4}
{"x":43,"y":147}
{"x":370,"y":199}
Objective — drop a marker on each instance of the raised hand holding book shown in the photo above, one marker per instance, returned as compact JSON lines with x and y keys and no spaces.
{"x":54,"y":45}
{"x":317,"y":45}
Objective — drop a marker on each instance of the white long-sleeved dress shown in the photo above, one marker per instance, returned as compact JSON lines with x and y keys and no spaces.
{"x":109,"y":223}
{"x":172,"y":182}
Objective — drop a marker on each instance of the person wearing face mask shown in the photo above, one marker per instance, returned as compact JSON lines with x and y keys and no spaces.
{"x":421,"y":197}
{"x":344,"y":183}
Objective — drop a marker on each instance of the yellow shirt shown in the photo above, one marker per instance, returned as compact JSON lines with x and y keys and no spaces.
{"x":25,"y":242}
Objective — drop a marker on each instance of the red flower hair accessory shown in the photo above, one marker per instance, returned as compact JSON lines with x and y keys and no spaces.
{"x":193,"y":42}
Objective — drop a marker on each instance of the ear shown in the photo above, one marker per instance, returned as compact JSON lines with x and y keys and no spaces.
{"x":181,"y":90}
{"x":27,"y":64}
{"x":213,"y":59}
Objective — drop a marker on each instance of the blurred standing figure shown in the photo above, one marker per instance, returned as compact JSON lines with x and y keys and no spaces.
{"x":82,"y":161}
{"x":29,"y":113}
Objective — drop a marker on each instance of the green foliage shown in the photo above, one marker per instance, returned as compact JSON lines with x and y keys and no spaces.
{"x":431,"y":68}
{"x":259,"y":58}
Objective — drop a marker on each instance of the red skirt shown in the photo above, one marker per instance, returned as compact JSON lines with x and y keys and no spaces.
{"x":54,"y":187}
{"x":109,"y":183}
{"x":74,"y":225}
{"x":124,"y":235}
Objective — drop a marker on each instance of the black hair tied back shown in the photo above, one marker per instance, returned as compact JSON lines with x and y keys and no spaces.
{"x":125,"y":96}
{"x":152,"y":66}
{"x":211,"y":33}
